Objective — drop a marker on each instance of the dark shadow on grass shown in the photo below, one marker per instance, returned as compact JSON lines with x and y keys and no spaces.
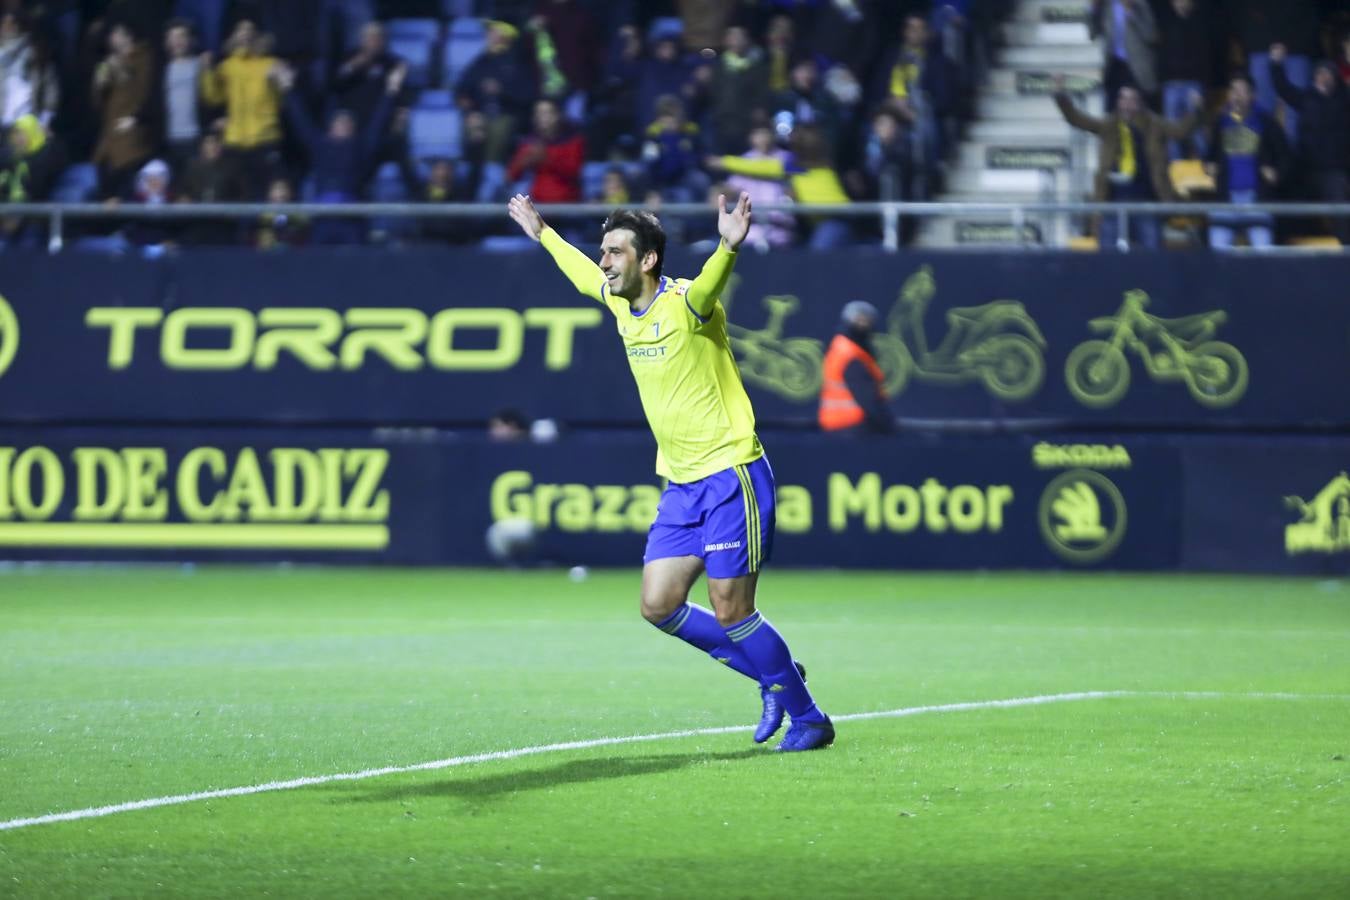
{"x":468,"y":786}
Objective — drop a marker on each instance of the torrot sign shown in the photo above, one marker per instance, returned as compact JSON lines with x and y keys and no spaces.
{"x":1101,"y":340}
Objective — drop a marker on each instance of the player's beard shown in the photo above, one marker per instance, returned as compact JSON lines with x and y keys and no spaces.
{"x":629,"y":287}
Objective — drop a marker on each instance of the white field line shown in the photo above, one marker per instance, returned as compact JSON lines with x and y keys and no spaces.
{"x":453,"y":761}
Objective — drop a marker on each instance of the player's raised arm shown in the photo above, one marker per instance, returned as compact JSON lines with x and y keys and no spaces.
{"x":733,"y":225}
{"x":579,"y":268}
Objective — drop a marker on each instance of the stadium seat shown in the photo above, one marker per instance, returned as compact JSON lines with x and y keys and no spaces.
{"x":416,"y":52}
{"x":492,"y":187}
{"x":434,"y":132}
{"x":593,"y":178}
{"x":459,"y":54}
{"x":413,"y":29}
{"x":1316,"y":242}
{"x":435,"y":99}
{"x":455,"y":9}
{"x":1083,"y":243}
{"x":77,"y":184}
{"x":1189,"y":177}
{"x":465,"y":29}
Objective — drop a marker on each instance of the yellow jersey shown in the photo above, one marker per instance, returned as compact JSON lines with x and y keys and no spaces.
{"x":681,"y":359}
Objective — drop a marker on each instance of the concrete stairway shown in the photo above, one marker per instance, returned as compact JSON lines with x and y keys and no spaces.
{"x":1018,"y":148}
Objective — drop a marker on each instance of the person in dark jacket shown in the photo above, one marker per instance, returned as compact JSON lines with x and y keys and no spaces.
{"x":664,"y":71}
{"x":573,"y":31}
{"x":1260,"y":23}
{"x":1185,"y":63}
{"x":1323,"y":151}
{"x":359,"y":83}
{"x":340,"y":159}
{"x":209,"y":178}
{"x":500,"y":84}
{"x":852,"y":396}
{"x":739,"y":91}
{"x":444,"y":185}
{"x":123,"y":95}
{"x":1248,"y":159}
{"x":916,"y":82}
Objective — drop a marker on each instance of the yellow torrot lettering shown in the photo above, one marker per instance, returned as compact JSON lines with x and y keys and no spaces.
{"x":322,"y":339}
{"x":238,"y":323}
{"x":510,"y":329}
{"x":561,"y":325}
{"x":122,"y":322}
{"x":390,"y":333}
{"x":307,"y":333}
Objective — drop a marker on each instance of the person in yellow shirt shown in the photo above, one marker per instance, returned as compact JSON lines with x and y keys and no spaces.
{"x":717,"y":512}
{"x":810,"y":174}
{"x":246,"y":84}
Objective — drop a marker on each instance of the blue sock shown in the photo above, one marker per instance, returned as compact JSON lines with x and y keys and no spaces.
{"x":695,"y":625}
{"x":769,"y":653}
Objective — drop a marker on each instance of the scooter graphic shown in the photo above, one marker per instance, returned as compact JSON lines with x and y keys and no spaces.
{"x":1215,"y":373}
{"x":997,"y":343}
{"x":790,"y":367}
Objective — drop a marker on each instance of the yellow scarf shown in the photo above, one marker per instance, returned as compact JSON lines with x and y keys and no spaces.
{"x":1127,"y":163}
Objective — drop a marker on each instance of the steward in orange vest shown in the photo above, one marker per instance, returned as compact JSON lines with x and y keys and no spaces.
{"x":852,"y":396}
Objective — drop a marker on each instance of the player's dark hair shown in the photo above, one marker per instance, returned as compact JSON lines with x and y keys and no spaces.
{"x":648,"y":235}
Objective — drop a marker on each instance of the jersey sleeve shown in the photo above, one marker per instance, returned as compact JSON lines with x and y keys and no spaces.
{"x":579,"y":268}
{"x":705,"y":290}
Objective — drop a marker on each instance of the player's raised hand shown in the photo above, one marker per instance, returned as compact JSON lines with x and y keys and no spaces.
{"x":522,"y":211}
{"x":733,"y":224}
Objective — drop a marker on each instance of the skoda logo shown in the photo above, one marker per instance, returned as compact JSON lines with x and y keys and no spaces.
{"x":9,"y":335}
{"x":1082,"y":516}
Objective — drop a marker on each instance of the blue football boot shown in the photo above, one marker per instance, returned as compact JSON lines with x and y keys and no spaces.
{"x":772,"y":718}
{"x":807,"y":736}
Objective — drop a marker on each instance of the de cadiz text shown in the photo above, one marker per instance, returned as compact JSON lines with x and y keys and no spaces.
{"x":209,"y":497}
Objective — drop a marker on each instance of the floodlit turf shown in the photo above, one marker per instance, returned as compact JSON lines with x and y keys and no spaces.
{"x":120,"y":685}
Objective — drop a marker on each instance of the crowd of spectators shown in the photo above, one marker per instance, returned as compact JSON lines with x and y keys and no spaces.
{"x":615,"y":101}
{"x":331,"y":101}
{"x":1257,"y":91}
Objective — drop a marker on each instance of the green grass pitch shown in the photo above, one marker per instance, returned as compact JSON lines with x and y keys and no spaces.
{"x":127,"y":684}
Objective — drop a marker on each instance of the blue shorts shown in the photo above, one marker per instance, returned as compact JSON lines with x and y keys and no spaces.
{"x":725,"y":519}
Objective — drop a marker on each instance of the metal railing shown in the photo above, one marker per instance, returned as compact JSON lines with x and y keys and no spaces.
{"x":889,"y":213}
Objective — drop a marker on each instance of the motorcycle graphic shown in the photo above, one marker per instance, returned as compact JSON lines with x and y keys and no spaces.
{"x":789,"y":367}
{"x":996,"y":343}
{"x":1098,"y":371}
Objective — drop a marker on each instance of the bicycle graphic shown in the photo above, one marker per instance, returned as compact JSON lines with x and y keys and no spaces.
{"x":789,"y":367}
{"x":1214,"y":372}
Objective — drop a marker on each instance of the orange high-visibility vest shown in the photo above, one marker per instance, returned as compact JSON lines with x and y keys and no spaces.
{"x":838,"y":409}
